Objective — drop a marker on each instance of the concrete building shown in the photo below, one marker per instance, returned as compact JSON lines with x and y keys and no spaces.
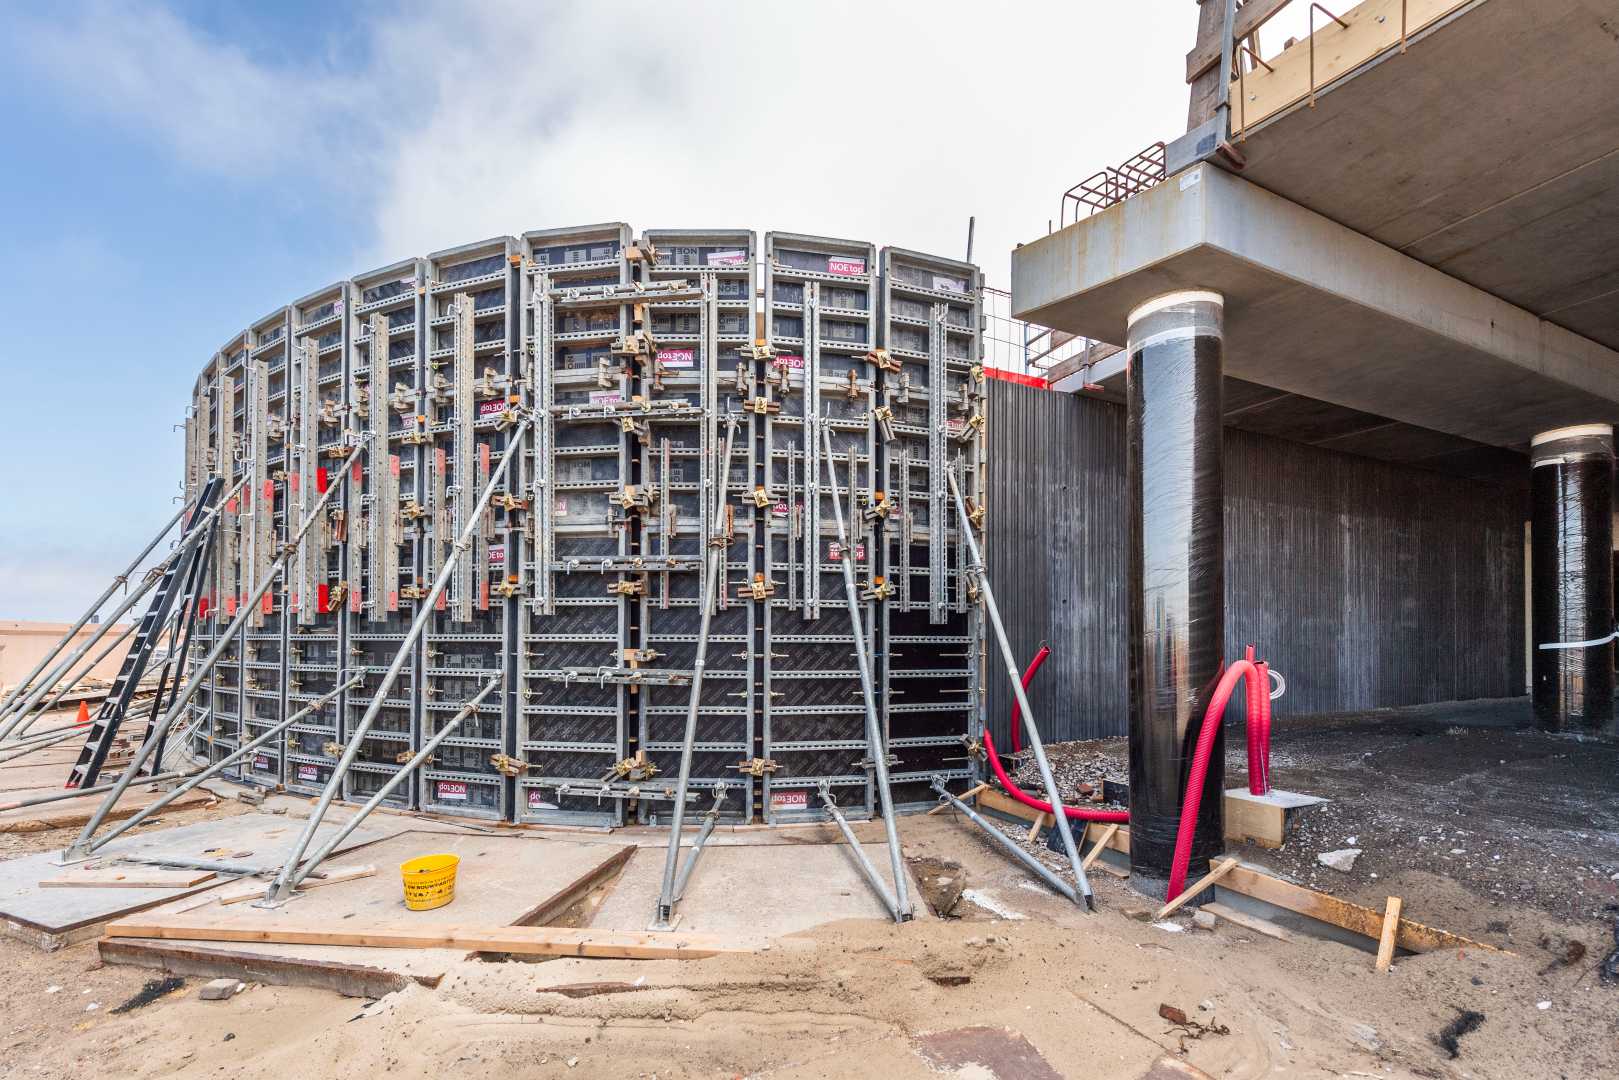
{"x":1393,"y":242}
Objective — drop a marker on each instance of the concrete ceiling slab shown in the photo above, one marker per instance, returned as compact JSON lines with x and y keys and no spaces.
{"x":1489,"y":149}
{"x":1319,"y":310}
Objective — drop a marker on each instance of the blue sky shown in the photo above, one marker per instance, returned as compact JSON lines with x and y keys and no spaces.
{"x":173,"y":172}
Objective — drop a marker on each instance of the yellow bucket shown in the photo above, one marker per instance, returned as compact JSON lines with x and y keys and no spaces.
{"x":429,"y":881}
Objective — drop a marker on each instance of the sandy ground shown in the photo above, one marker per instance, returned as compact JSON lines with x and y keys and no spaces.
{"x":1044,"y":991}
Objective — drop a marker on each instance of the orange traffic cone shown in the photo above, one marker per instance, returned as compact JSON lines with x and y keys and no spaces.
{"x":84,"y":713}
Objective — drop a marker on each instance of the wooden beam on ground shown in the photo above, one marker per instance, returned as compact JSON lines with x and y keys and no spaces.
{"x":1041,"y":820}
{"x":1221,"y":869}
{"x":1249,"y":922}
{"x":965,"y":796}
{"x":1411,"y":936}
{"x":138,"y":877}
{"x":519,"y":940}
{"x":1101,"y":842}
{"x":1385,"y":941}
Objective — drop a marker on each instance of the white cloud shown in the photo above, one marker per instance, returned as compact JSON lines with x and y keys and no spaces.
{"x":891,"y":122}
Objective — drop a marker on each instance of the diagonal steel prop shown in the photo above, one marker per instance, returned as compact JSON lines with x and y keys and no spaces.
{"x":876,"y":744}
{"x":669,"y":892}
{"x":1031,"y":732}
{"x":80,"y":848}
{"x":282,"y":887}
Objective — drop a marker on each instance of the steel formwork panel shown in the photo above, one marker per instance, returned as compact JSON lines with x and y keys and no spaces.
{"x":574,"y":731}
{"x":702,"y":360}
{"x":582,"y":586}
{"x":820,"y":315}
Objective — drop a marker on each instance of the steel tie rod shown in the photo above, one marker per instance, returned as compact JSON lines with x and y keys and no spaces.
{"x":1030,"y":730}
{"x":877,"y":748}
{"x":711,"y":818}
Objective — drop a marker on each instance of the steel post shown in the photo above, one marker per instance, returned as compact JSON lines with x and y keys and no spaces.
{"x":877,"y":745}
{"x":283,"y":884}
{"x":1031,"y":731}
{"x":1012,"y":846}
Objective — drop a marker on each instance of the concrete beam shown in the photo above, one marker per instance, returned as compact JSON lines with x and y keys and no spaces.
{"x":1317,"y":309}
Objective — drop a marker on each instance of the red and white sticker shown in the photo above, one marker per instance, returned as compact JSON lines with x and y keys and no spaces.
{"x":497,"y":554}
{"x":727,"y":258}
{"x":835,"y":552}
{"x":605,"y":397}
{"x":308,"y":772}
{"x":789,"y":800}
{"x":491,"y":408}
{"x":779,"y":510}
{"x":538,"y":801}
{"x":452,"y":791}
{"x":560,"y":508}
{"x":845,"y":265}
{"x":677,"y":358}
{"x":790,"y":361}
{"x":260,"y":761}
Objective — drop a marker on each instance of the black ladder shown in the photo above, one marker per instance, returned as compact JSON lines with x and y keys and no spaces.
{"x":184,"y":576}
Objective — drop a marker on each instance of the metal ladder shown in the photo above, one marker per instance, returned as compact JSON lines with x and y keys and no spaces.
{"x":188,"y":573}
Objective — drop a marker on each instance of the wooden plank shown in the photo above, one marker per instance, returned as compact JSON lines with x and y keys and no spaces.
{"x":1040,"y":822}
{"x":1385,"y":942}
{"x":1374,"y":27}
{"x":1249,"y":922}
{"x":1221,"y":869}
{"x":1101,"y":842}
{"x":1412,"y":936}
{"x":520,"y":940}
{"x":1250,"y":17}
{"x":252,"y":890}
{"x":965,"y":796}
{"x":137,"y":877}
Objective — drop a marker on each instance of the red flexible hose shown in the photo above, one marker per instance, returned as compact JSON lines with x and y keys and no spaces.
{"x":1256,"y":684}
{"x":1017,"y":706}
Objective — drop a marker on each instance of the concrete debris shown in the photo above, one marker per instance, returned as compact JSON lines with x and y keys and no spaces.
{"x":221,"y":989}
{"x":1204,"y":920}
{"x":1342,"y":860}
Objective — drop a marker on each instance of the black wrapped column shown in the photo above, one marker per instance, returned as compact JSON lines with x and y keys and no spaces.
{"x":1176,"y":591}
{"x":1571,"y":577}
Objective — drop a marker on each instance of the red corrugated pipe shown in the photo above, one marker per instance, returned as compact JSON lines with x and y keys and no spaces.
{"x":1256,"y":679}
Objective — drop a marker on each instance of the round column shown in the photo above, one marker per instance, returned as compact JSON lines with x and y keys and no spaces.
{"x":1176,"y":589}
{"x":1571,"y":578}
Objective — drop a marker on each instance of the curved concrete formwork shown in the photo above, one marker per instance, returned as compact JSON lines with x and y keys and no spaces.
{"x":639,"y":358}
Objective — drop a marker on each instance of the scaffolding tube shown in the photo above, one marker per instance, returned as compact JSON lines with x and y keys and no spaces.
{"x":84,"y":673}
{"x":711,"y":818}
{"x":286,"y":880}
{"x":1012,"y":847}
{"x":79,"y":850}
